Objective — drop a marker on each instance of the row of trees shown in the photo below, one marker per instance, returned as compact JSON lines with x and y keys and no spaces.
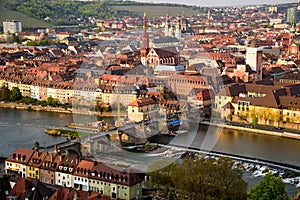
{"x":15,"y":95}
{"x":266,"y":114}
{"x":211,"y":179}
{"x":12,"y":95}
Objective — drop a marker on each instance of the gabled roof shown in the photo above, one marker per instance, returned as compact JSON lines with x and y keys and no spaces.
{"x":115,"y":174}
{"x":31,"y":189}
{"x":142,"y":102}
{"x":232,"y":90}
{"x":84,"y":168}
{"x":228,"y":105}
{"x":37,"y":158}
{"x":51,"y":161}
{"x":21,"y":155}
{"x":68,"y":165}
{"x":70,"y":194}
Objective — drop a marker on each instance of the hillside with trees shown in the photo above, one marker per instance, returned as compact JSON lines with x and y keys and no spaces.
{"x":57,"y":12}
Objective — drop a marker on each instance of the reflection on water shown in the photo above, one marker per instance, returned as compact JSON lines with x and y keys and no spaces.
{"x":21,"y":128}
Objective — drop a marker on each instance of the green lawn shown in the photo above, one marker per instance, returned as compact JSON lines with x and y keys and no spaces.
{"x":27,"y":22}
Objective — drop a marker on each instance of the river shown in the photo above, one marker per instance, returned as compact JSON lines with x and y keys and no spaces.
{"x":21,"y":128}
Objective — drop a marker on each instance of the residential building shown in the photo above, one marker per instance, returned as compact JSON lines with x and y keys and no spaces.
{"x":203,"y":97}
{"x":17,"y":161}
{"x":142,"y":109}
{"x":82,"y":173}
{"x":33,"y":166}
{"x":48,"y":168}
{"x":64,"y":173}
{"x":183,"y":85}
{"x":254,"y":60}
{"x":12,"y":26}
{"x":116,"y":182}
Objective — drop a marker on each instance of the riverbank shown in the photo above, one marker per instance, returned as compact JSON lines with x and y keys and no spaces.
{"x":253,"y":169}
{"x":255,"y":130}
{"x":21,"y":106}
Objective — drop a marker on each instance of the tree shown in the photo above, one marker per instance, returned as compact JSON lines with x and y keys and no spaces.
{"x":51,"y":101}
{"x":277,"y":117}
{"x":160,"y":174}
{"x":15,"y":94}
{"x":229,"y":117}
{"x":15,"y":38}
{"x":43,"y":42}
{"x":241,"y":118}
{"x":270,"y":188}
{"x":4,"y":93}
{"x":201,"y":179}
{"x":32,"y":43}
{"x":265,"y":114}
{"x":254,"y":120}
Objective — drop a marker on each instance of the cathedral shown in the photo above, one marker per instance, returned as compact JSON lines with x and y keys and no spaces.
{"x":177,"y":28}
{"x":156,"y":56}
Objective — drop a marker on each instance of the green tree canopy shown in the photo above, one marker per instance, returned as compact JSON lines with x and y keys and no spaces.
{"x":52,"y":102}
{"x":201,"y":179}
{"x":4,"y":93}
{"x":15,"y":94}
{"x":270,"y":188}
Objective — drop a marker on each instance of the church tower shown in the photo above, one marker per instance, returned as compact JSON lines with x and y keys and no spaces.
{"x":145,"y":42}
{"x":167,"y":26}
{"x":178,"y":29}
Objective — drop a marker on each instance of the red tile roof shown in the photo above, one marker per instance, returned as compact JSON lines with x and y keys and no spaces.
{"x":142,"y":102}
{"x":21,"y":155}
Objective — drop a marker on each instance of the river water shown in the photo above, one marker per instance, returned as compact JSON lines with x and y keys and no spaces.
{"x":21,"y":128}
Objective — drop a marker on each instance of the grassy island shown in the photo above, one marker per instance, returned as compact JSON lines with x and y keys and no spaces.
{"x":65,"y":133}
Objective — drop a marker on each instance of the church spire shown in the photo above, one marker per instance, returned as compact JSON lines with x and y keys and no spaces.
{"x":145,"y":43}
{"x":145,"y":37}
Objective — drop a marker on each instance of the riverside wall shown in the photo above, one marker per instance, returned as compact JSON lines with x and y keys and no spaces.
{"x":56,"y":109}
{"x":258,"y":131}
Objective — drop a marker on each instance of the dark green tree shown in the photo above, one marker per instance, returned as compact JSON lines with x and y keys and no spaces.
{"x":15,"y":94}
{"x":15,"y":38}
{"x":32,"y":43}
{"x":270,"y":188}
{"x":52,"y":102}
{"x":4,"y":93}
{"x":44,"y":42}
{"x":201,"y":179}
{"x":229,"y":117}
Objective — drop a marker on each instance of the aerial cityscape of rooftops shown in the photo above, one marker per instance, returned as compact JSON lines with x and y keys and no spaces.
{"x":149,"y":100}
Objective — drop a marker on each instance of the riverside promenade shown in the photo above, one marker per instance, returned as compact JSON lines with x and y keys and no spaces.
{"x":57,"y":109}
{"x":278,"y":133}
